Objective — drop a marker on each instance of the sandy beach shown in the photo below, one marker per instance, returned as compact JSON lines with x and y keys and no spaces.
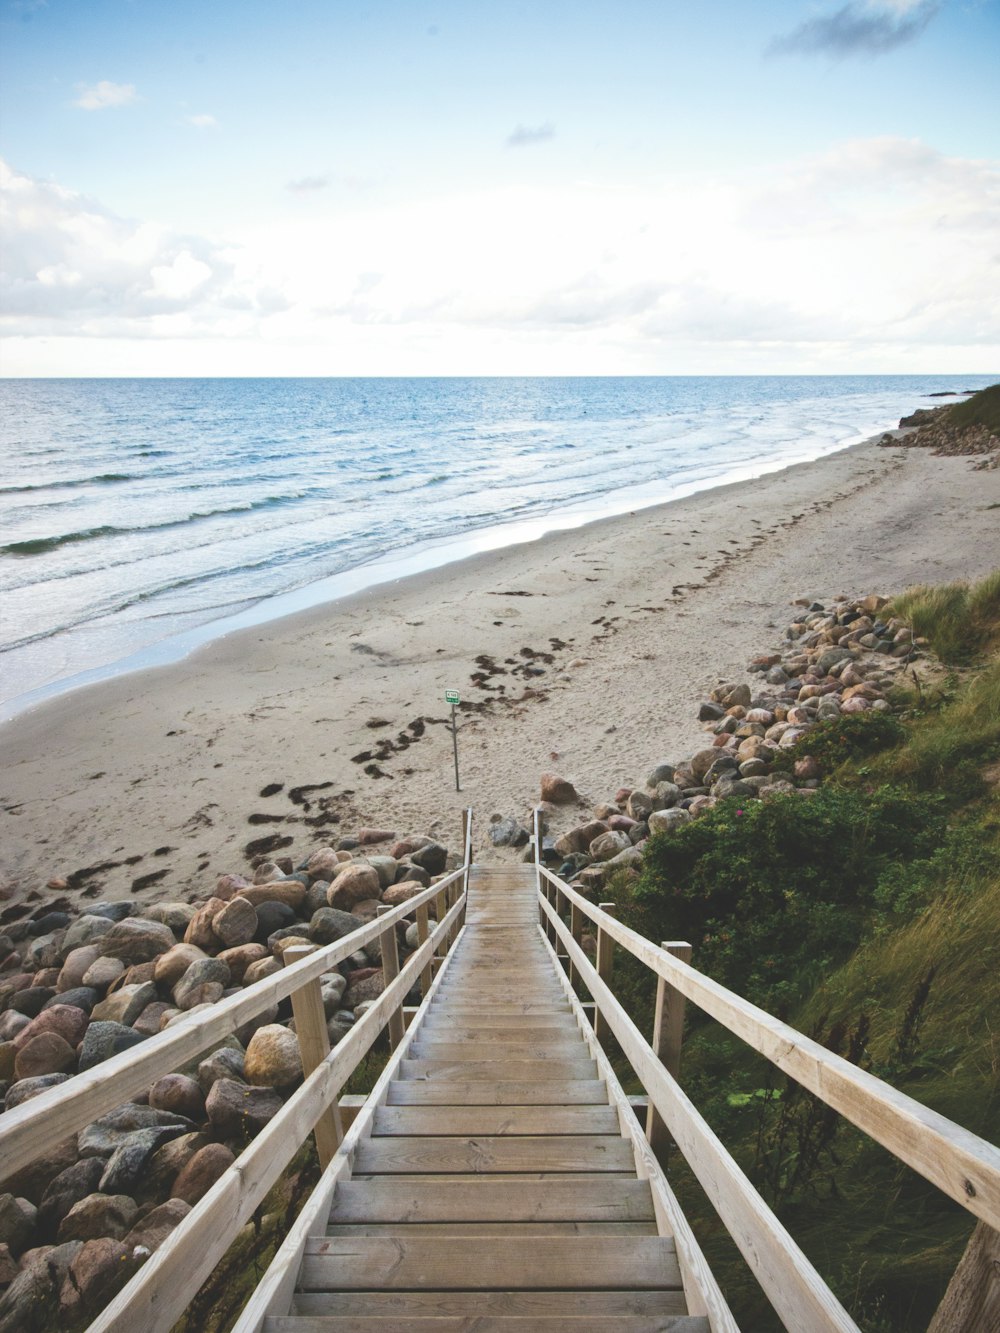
{"x":585,"y":652}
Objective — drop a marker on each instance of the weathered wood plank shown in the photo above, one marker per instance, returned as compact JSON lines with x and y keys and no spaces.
{"x":515,"y":1071}
{"x":486,"y":1092}
{"x":500,"y":1324}
{"x":593,"y":1199}
{"x":450,"y":1120}
{"x":563,"y":1048}
{"x":450,"y":1263}
{"x":605,"y":1305}
{"x":485,"y":1154}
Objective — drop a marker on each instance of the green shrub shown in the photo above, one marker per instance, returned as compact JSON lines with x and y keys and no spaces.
{"x":959,"y":620}
{"x":843,"y":739}
{"x":771,"y":893}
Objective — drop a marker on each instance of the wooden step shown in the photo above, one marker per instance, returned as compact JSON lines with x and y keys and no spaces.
{"x":477,"y":1263}
{"x":499,"y":1230}
{"x":488,"y":1153}
{"x":514,"y":1071}
{"x":487,"y":1324}
{"x":492,"y":1199}
{"x":485,"y":1092}
{"x":436,"y":1048}
{"x":607,"y":1306}
{"x":435,"y":1121}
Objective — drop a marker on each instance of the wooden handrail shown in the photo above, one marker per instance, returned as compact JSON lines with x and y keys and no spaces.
{"x":160,"y":1292}
{"x":960,"y":1163}
{"x":801,"y":1298}
{"x":35,"y":1127}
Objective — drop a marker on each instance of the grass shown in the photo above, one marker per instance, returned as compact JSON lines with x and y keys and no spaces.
{"x":982,"y":409}
{"x":960,"y":620}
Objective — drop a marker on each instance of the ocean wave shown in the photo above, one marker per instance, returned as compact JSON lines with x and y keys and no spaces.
{"x":68,"y":485}
{"x":42,"y":545}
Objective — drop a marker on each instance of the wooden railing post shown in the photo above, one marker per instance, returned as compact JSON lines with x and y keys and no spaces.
{"x":314,"y":1046}
{"x":390,"y":971}
{"x":423,"y":930}
{"x":668,"y":1033}
{"x":605,"y":967}
{"x":576,"y":930}
{"x":972,"y":1302}
{"x":466,"y":846}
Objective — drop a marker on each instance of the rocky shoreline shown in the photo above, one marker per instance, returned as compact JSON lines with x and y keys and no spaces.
{"x":77,"y":988}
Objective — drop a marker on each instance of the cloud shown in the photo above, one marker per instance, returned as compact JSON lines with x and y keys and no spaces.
{"x":308,"y":184}
{"x":202,"y":122}
{"x":859,"y":29}
{"x":71,"y":264}
{"x":105,"y":94}
{"x":524,"y":135}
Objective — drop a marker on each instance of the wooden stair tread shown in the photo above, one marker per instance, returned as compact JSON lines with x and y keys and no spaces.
{"x":439,"y":1120}
{"x":490,"y":1199}
{"x":499,"y":1230}
{"x":487,"y":1324}
{"x":515,"y":1071}
{"x":494,"y":1304}
{"x":495,"y":1153}
{"x":484,"y":1092}
{"x":450,"y":1263}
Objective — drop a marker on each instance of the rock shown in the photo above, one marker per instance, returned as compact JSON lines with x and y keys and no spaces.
{"x":361,"y":987}
{"x":151,"y":1020}
{"x":11,"y":1023}
{"x":32,"y":999}
{"x":751,"y":768}
{"x":104,"y":1136}
{"x":355,"y":882}
{"x":201,"y":1172}
{"x":753,"y":747}
{"x":224,"y":1063}
{"x":710,"y":712}
{"x":272,"y":916}
{"x":236,"y":923}
{"x":290,"y":892}
{"x":742,"y":788}
{"x":30,"y":1304}
{"x":508,"y":832}
{"x":807,"y":768}
{"x":104,"y":1039}
{"x":168,"y":1162}
{"x":608,"y":845}
{"x":98,"y":1215}
{"x":415,"y":875}
{"x":401,"y":893}
{"x":137,"y":941}
{"x":237,"y":1111}
{"x":180,"y":1094}
{"x":70,"y":1186}
{"x":178,"y":916}
{"x":8,"y":1266}
{"x":98,"y":1272}
{"x":273,"y":1059}
{"x":631,"y":856}
{"x":701,"y":762}
{"x":64,"y":1020}
{"x":157,"y":1225}
{"x":856,"y":705}
{"x":75,"y":967}
{"x":226,"y":886}
{"x":557,"y":790}
{"x":386,"y":868}
{"x":85,"y":930}
{"x":18,"y":1220}
{"x":127,"y":1164}
{"x":407,"y":846}
{"x":172,"y":965}
{"x":48,"y":1053}
{"x":329,"y":925}
{"x":267,"y":967}
{"x":737,"y":697}
{"x":28,"y":1088}
{"x":239,"y":958}
{"x":125,"y":1004}
{"x":102,"y":971}
{"x":333,"y":986}
{"x":665,"y":821}
{"x":203,"y":983}
{"x":640,"y":805}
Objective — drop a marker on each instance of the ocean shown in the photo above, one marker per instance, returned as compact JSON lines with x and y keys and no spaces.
{"x":140,"y":518}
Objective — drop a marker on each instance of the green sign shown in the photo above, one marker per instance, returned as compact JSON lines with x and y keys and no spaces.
{"x":451,"y":697}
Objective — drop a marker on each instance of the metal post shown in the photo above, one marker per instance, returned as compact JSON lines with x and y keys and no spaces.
{"x":454,"y":741}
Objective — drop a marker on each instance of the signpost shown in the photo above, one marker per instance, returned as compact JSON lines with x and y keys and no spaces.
{"x":452,"y":697}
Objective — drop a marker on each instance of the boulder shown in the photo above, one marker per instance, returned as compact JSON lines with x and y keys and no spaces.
{"x":238,"y":959}
{"x":508,"y":832}
{"x":104,"y":1136}
{"x":172,"y":965}
{"x":18,"y":1222}
{"x":401,"y":893}
{"x":665,"y":821}
{"x":236,"y":922}
{"x":98,"y":1272}
{"x":31,"y":1087}
{"x":168,"y":1162}
{"x":136,"y":941}
{"x":98,"y":1215}
{"x":65,"y":1020}
{"x":104,"y":1039}
{"x":127,"y":1164}
{"x":289,"y":892}
{"x":226,"y":1063}
{"x":103,"y":971}
{"x":329,"y":925}
{"x":609,"y":845}
{"x":178,"y":916}
{"x":201,"y":1172}
{"x":30,"y":1304}
{"x":273,"y":1058}
{"x":557,"y":790}
{"x":202,"y":983}
{"x":157,"y":1225}
{"x":640,"y":805}
{"x":74,"y":969}
{"x":364,"y":985}
{"x":237,"y":1111}
{"x":85,"y":930}
{"x":125,"y":1004}
{"x":354,"y":883}
{"x":48,"y":1053}
{"x":70,"y":1186}
{"x":432,"y":857}
{"x":180,"y":1094}
{"x":266,"y":967}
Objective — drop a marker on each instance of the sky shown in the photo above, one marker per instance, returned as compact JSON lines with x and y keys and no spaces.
{"x":394,"y":187}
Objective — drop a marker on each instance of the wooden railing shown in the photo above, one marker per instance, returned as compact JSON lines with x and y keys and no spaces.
{"x":161,"y":1290}
{"x":964,"y":1166}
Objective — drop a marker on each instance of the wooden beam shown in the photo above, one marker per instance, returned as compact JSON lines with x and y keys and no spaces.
{"x":668,"y":1033}
{"x":972,"y":1302}
{"x":960,"y":1163}
{"x":314,"y":1047}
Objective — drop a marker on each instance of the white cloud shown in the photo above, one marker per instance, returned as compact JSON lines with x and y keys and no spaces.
{"x":202,"y":122}
{"x":878,"y":254}
{"x":104,"y":94}
{"x":861,"y":27}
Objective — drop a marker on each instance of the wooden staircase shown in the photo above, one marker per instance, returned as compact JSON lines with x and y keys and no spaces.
{"x":497,"y":1189}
